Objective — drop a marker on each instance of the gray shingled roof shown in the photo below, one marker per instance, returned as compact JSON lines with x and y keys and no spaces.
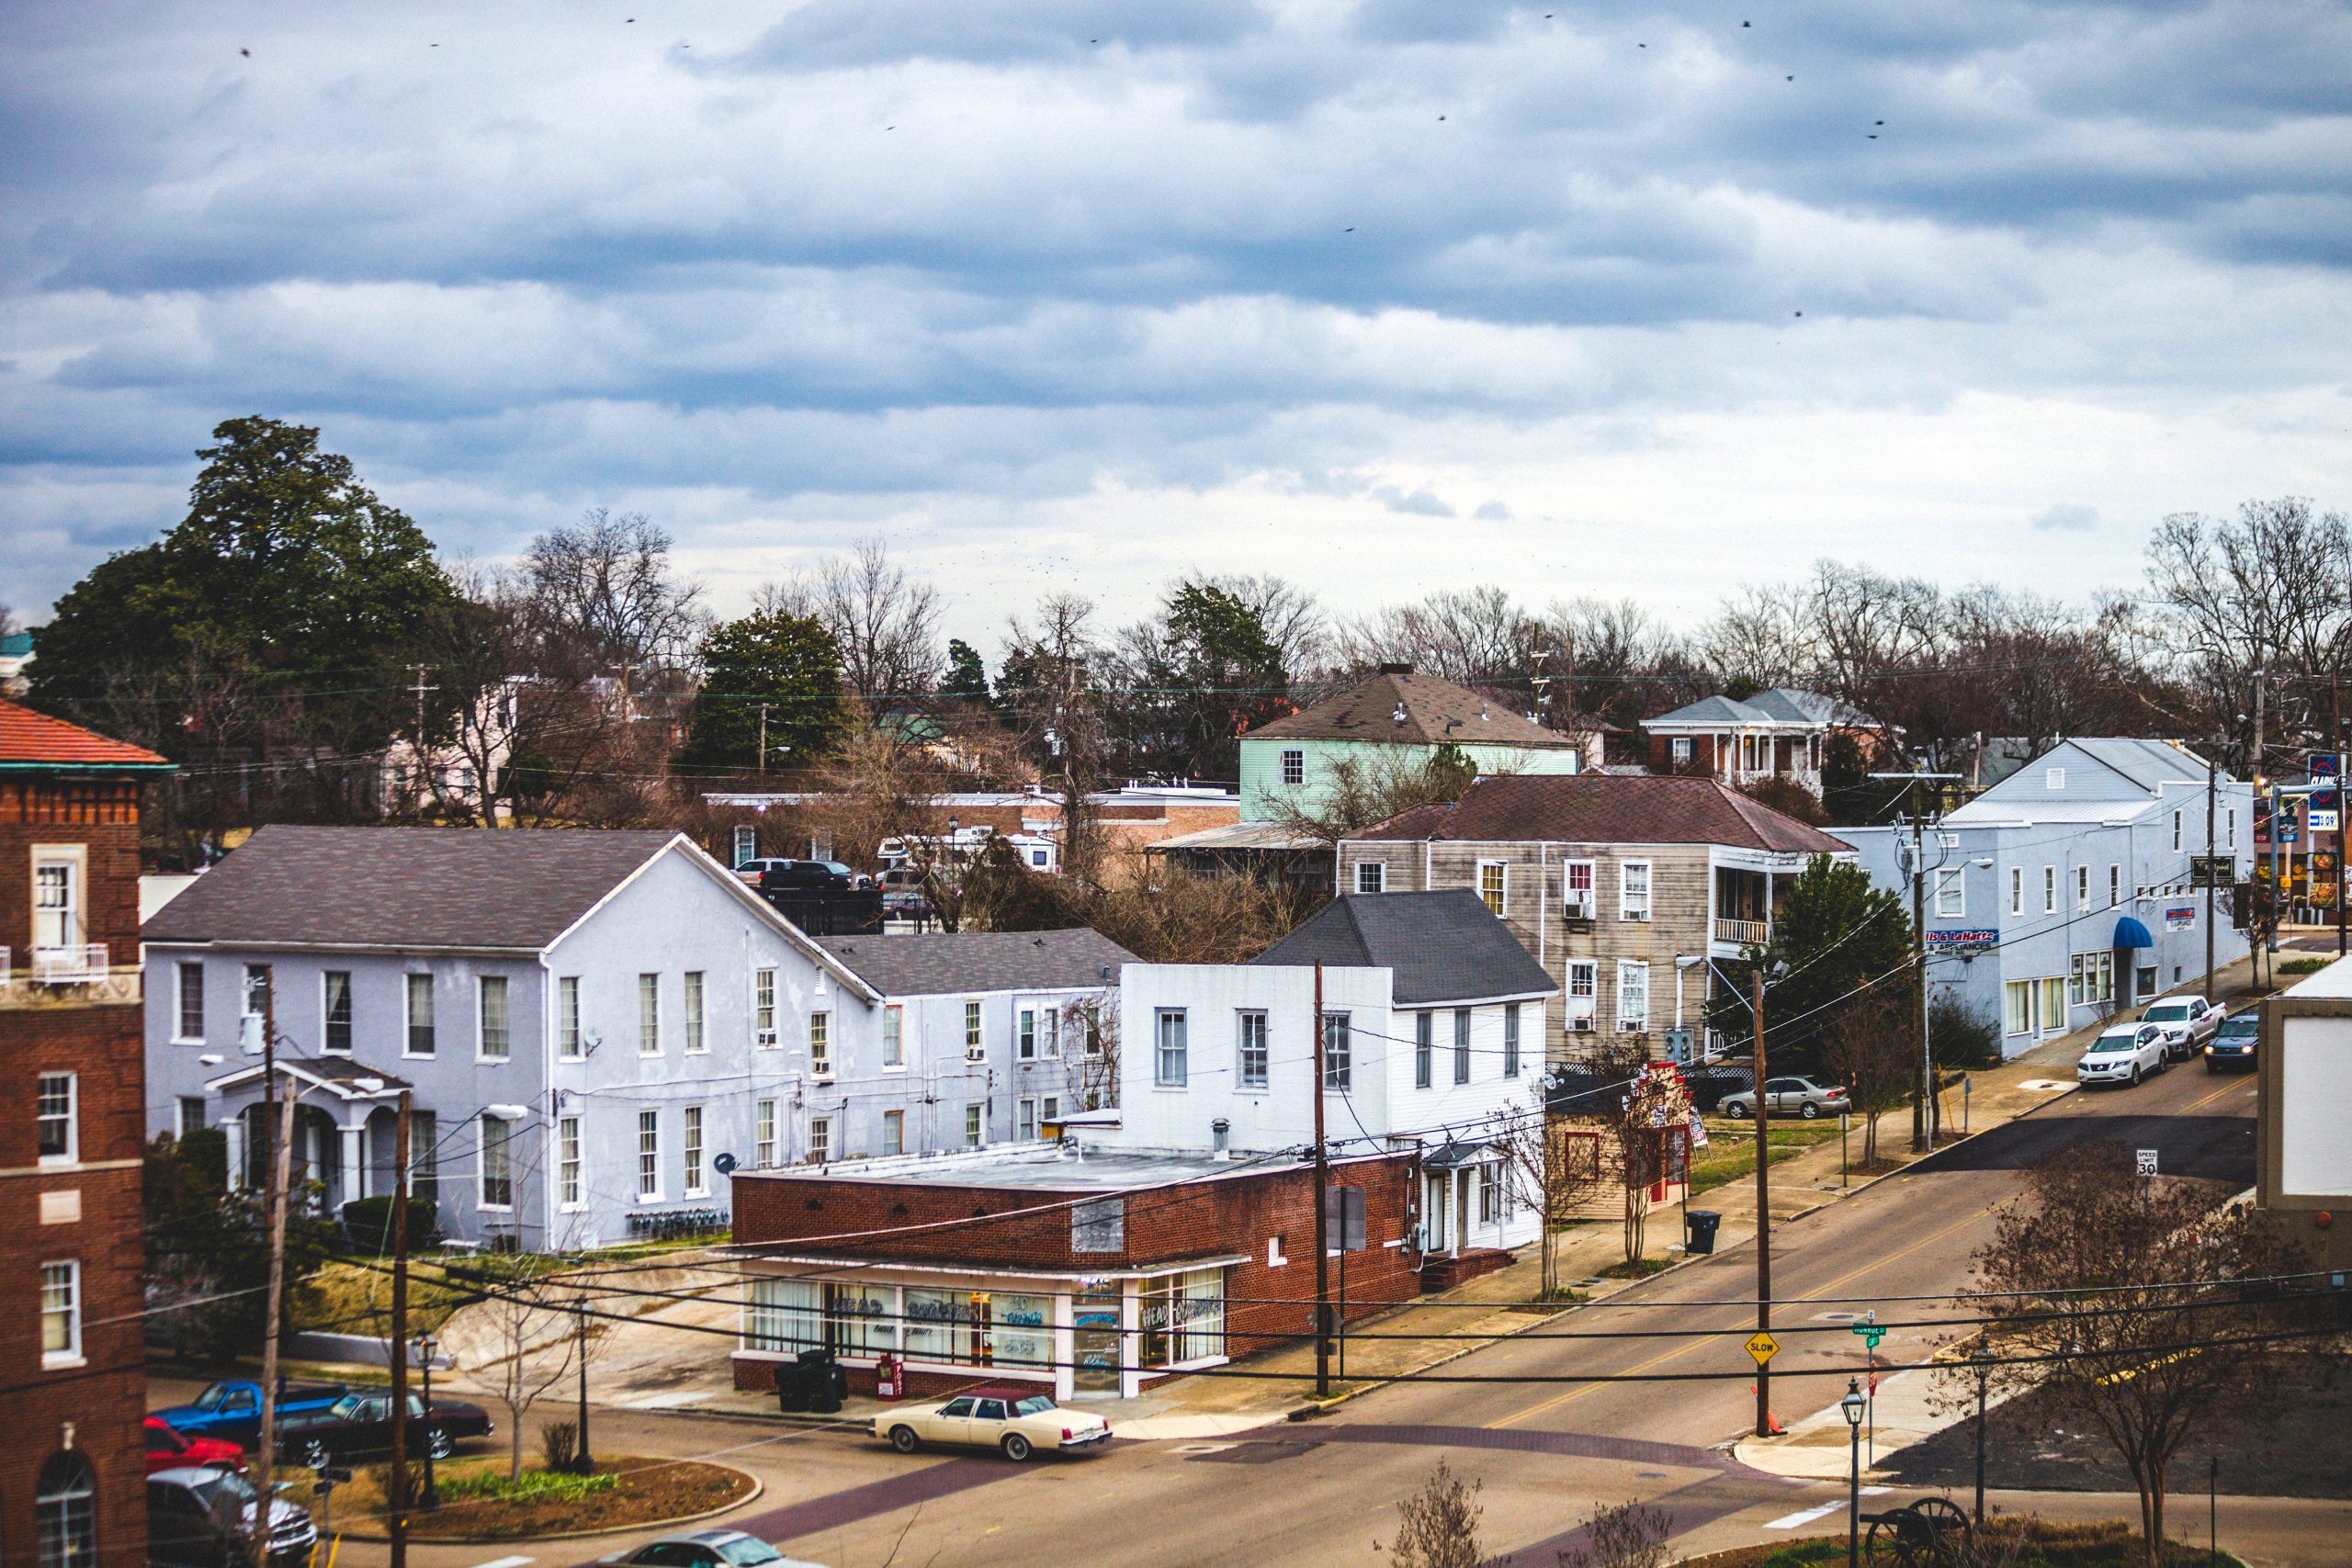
{"x":1781,"y":705}
{"x":942,"y":963}
{"x":1436,"y":711}
{"x":1445,"y":947}
{"x":408,"y":887}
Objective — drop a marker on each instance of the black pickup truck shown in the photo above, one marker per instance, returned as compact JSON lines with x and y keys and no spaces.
{"x":362,"y":1424}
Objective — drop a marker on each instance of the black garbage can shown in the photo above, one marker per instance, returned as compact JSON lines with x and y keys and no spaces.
{"x":824,"y":1383}
{"x":1699,"y":1228}
{"x":791,"y":1388}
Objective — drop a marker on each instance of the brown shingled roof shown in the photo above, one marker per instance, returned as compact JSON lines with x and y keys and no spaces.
{"x":35,"y":739}
{"x":1608,"y":808}
{"x":1435,"y":712}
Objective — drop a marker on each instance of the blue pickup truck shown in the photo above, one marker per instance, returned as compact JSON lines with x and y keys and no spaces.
{"x":231,"y":1409}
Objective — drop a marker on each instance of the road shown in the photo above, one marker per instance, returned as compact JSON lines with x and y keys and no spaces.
{"x":1543,"y":1450}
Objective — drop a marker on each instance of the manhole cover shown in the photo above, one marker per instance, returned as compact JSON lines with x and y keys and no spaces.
{"x":1259,"y":1453}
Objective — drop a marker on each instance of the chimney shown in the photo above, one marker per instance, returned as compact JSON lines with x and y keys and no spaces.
{"x":1397,"y":669}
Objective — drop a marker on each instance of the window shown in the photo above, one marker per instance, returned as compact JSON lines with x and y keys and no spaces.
{"x":1338,"y":1065}
{"x":2074,"y":997}
{"x":648,"y":1015}
{"x":567,"y":1156}
{"x":763,"y":1008}
{"x":1294,"y":766}
{"x":188,"y":1115}
{"x":1049,"y":1024}
{"x":1024,"y":1120}
{"x":2053,"y":778}
{"x":497,"y":1162}
{"x":1632,"y":996}
{"x":1633,"y":890}
{"x":1952,"y":893}
{"x":567,"y":1017}
{"x":784,"y":1314}
{"x":189,"y":1022}
{"x":746,"y":846}
{"x":1510,"y":1040}
{"x":894,"y":1037}
{"x":1041,"y":858}
{"x":1493,"y":884}
{"x":61,"y":1313}
{"x":1576,"y":890}
{"x":1489,"y":1194}
{"x":820,"y":1044}
{"x":2114,"y":885}
{"x":420,"y":1014}
{"x":1025,"y":1035}
{"x":1372,"y":876}
{"x":65,"y":1516}
{"x":1168,"y":1062}
{"x":424,"y":1145}
{"x":2176,"y":832}
{"x":974,"y":1050}
{"x":256,"y":1003}
{"x":1424,"y":1049}
{"x":2054,"y":1005}
{"x":2049,"y":889}
{"x":1049,"y":1108}
{"x":2082,"y":887}
{"x":2018,"y":1007}
{"x":697,"y":1042}
{"x":764,"y":1135}
{"x":495,"y":1045}
{"x":57,"y":900}
{"x":1679,"y":749}
{"x":1183,"y":1317}
{"x":1460,"y":1044}
{"x":53,"y":1107}
{"x":974,"y":1133}
{"x":894,"y":1132}
{"x":2230,"y":823}
{"x":690,"y":1147}
{"x":2017,"y":890}
{"x":649,"y":1156}
{"x":1250,"y":1028}
{"x":335,"y":1010}
{"x":2143,"y":980}
{"x":1584,"y":986}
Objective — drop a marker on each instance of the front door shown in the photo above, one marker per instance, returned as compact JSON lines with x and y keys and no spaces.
{"x":1435,"y":1206}
{"x":1461,"y":1206}
{"x":1094,"y":1338}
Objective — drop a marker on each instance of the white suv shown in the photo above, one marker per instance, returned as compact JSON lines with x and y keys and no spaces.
{"x":2123,"y":1055}
{"x":2187,"y":1023}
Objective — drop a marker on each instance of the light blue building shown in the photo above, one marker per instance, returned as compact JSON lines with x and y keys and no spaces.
{"x":2063,"y":893}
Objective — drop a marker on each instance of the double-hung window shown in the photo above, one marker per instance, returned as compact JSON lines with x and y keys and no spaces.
{"x":2082,"y":887}
{"x":1494,"y":884}
{"x":1024,"y":1120}
{"x":1424,"y":1049}
{"x":2176,"y":832}
{"x":1170,"y":1066}
{"x":567,"y":1017}
{"x":1583,"y":992}
{"x":61,"y":1313}
{"x":2114,"y":885}
{"x":894,"y":1036}
{"x":974,"y":1130}
{"x":59,"y":1141}
{"x":2049,"y":889}
{"x":1576,"y":890}
{"x":764,"y":1135}
{"x":1633,"y":890}
{"x":2017,"y":890}
{"x":763,"y":1008}
{"x":821,"y":1046}
{"x":572,"y":1184}
{"x":57,"y":899}
{"x":648,"y":1015}
{"x":649,"y":1156}
{"x":1632,"y":996}
{"x":975,"y":1047}
{"x":1460,"y":1044}
{"x":820,"y":1139}
{"x":1510,"y":1040}
{"x":334,"y":1005}
{"x":1338,"y":1062}
{"x":496,"y":1043}
{"x":420,"y":1014}
{"x":1294,"y":766}
{"x":497,"y":1162}
{"x":1372,"y":876}
{"x":696,"y":1042}
{"x":189,"y":1022}
{"x":1024,"y":1037}
{"x":1952,"y":893}
{"x":691,"y":1147}
{"x":1250,"y":1026}
{"x":894,"y":1132}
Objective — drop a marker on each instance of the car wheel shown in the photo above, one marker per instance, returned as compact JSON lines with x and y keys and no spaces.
{"x":903,"y":1438}
{"x":439,"y":1444}
{"x":1016,"y":1447}
{"x":315,"y":1455}
{"x":2135,"y":1076}
{"x":1810,"y":1111}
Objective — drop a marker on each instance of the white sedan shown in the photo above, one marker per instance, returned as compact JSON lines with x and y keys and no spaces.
{"x":2124,"y":1054}
{"x":1015,"y":1422}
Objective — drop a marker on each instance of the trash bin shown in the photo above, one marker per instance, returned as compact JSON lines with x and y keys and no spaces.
{"x":824,"y":1383}
{"x":791,"y":1388}
{"x":1698,"y":1231}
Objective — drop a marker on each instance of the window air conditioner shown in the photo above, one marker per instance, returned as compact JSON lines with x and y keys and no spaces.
{"x":1582,"y":1025}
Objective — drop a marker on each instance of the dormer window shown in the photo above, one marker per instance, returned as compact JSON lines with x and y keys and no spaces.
{"x":2054,"y":778}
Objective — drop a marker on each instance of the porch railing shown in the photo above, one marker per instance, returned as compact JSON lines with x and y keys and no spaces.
{"x":1747,"y":933}
{"x":69,"y":965}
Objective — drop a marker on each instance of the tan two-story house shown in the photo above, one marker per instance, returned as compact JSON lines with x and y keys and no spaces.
{"x":1623,"y":886}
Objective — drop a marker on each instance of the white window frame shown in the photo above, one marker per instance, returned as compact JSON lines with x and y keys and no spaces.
{"x":1338,"y":1052}
{"x":764,"y":1135}
{"x":2114,"y":885}
{"x":1678,"y":749}
{"x":181,"y":972}
{"x":71,"y":1115}
{"x":183,"y":1123}
{"x":2175,"y":831}
{"x":894,"y":1038}
{"x":745,"y":844}
{"x":894,"y":1132}
{"x":485,"y":987}
{"x":1049,"y":1109}
{"x":1252,"y":1048}
{"x":821,"y":1046}
{"x":1461,"y":1045}
{"x":1372,"y":876}
{"x":697,"y":1015}
{"x":327,"y":977}
{"x":2016,"y":892}
{"x":505,"y":1147}
{"x":61,"y":1276}
{"x":693,"y":1164}
{"x":1510,"y":1040}
{"x":764,"y":1034}
{"x":572,"y":1189}
{"x":975,"y":1040}
{"x":1579,"y":903}
{"x":1024,"y":1119}
{"x":2049,"y":889}
{"x":1024,"y":1033}
{"x":1499,"y":906}
{"x":976,"y":1127}
{"x":1172,"y":1050}
{"x":2230,"y":821}
{"x":2082,"y":887}
{"x":649,"y":1156}
{"x":1633,"y":904}
{"x":71,"y":915}
{"x":648,"y":1013}
{"x":1424,"y":1049}
{"x":2053,"y":778}
{"x":1293,"y":765}
{"x":1638,"y":970}
{"x":820,"y":1140}
{"x":1587,"y":972}
{"x":567,"y":1018}
{"x":410,"y":994}
{"x":1952,"y":893}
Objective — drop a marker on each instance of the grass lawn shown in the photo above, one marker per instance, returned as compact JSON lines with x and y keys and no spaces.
{"x":2014,"y":1542}
{"x":1730,"y":1156}
{"x":478,"y":1502}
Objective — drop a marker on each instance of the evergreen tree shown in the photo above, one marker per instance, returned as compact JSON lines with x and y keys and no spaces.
{"x":783,"y":662}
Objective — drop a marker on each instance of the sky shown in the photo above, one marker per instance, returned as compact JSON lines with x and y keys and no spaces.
{"x":1627,"y":300}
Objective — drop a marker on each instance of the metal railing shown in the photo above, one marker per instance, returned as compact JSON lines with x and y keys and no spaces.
{"x":1747,"y":933}
{"x":69,"y":965}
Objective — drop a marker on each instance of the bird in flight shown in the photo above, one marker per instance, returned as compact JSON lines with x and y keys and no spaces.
{"x":247,"y":53}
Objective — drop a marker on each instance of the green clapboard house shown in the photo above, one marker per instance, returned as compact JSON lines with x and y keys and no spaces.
{"x":1396,"y":716}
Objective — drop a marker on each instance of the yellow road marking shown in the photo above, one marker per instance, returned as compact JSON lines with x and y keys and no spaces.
{"x":1557,"y":1400}
{"x":2225,"y":1088}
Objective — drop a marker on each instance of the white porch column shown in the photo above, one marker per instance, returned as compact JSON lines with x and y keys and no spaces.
{"x":354,"y":1157}
{"x":233,"y":1127}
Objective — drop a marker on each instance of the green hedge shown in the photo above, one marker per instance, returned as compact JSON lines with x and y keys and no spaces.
{"x":535,"y":1487}
{"x":370,"y":1221}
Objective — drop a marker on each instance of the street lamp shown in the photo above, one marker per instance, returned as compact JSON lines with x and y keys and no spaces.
{"x":427,"y":1500}
{"x":1980,"y":1360}
{"x":1852,"y":1407}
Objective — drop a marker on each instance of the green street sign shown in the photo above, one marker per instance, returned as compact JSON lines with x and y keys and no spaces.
{"x":1872,"y":1334}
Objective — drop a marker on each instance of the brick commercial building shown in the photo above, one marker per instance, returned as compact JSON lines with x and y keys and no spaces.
{"x":72,"y":1461}
{"x":1088,"y":1272}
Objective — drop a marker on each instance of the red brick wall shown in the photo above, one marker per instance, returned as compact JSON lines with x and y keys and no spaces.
{"x":105,"y":1400}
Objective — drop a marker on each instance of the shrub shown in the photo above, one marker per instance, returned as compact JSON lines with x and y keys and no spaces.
{"x":2304,"y":965}
{"x":531,"y":1486}
{"x":1962,"y":1037}
{"x":560,"y":1443}
{"x":369,"y":1223}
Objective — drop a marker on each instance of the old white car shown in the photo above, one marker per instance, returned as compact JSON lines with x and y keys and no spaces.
{"x":1015,"y":1422}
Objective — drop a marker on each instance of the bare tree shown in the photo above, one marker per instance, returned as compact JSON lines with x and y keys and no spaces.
{"x":1090,"y":1037}
{"x":884,"y":621}
{"x":1867,"y":1042}
{"x":1048,"y":682}
{"x":1438,"y":1526}
{"x":531,"y":1320}
{"x":1630,"y":1534}
{"x":2122,"y":1300}
{"x":607,"y":581}
{"x":1556,"y":1175}
{"x":1362,"y":792}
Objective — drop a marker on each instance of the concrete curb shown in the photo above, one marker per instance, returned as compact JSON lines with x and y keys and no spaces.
{"x":753,"y":1495}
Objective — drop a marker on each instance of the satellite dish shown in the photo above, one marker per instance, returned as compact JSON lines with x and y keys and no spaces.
{"x":724,"y":1164}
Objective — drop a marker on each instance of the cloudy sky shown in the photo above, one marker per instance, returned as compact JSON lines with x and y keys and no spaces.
{"x":1381,"y":296}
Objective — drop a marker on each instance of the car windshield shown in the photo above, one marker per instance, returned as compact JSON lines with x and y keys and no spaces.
{"x":748,"y":1551}
{"x":347,"y":1408}
{"x":213,"y":1398}
{"x":1036,"y":1404}
{"x":2107,"y":1043}
{"x":2245,"y":1023}
{"x":2167,"y":1012}
{"x":223,"y":1483}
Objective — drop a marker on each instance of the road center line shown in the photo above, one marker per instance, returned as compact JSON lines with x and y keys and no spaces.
{"x":505,"y":1562}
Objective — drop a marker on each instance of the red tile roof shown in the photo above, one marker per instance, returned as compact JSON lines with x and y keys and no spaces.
{"x":29,"y":738}
{"x":1608,"y":808}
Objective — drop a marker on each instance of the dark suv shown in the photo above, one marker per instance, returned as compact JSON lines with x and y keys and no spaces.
{"x":808,"y":876}
{"x":2234,"y":1044}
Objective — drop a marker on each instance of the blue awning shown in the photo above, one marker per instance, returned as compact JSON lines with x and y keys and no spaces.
{"x":2130,"y":932}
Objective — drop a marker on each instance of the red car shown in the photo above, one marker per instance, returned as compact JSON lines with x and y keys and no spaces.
{"x":167,"y":1449}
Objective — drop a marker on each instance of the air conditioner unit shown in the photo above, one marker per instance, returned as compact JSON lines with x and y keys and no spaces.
{"x":766,"y":1037}
{"x":1631,"y":1026}
{"x":1581,"y":1025}
{"x":1576,"y":907}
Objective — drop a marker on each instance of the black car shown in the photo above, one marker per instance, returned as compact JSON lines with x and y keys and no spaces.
{"x":362,"y":1424}
{"x":2234,"y":1044}
{"x":808,"y":876}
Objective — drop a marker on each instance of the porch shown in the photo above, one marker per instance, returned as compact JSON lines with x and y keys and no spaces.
{"x":346,"y":1128}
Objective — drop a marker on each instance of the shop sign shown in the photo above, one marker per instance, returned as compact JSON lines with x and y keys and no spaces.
{"x":2180,"y":917}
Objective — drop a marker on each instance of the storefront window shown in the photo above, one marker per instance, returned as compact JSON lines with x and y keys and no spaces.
{"x":1183,"y":1317}
{"x":783,"y":1314}
{"x":1021,"y":1331}
{"x":937,"y":1325}
{"x":860,"y":1319}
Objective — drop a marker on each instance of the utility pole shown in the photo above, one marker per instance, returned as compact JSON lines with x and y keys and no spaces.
{"x":582,"y":1465}
{"x":2253,"y":928}
{"x":396,"y":1504}
{"x":2212,"y":772}
{"x":1763,"y":1221}
{"x":2336,"y":744}
{"x":1322,"y":1221}
{"x":280,"y":1175}
{"x":764,"y":737}
{"x":1923,"y":1121}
